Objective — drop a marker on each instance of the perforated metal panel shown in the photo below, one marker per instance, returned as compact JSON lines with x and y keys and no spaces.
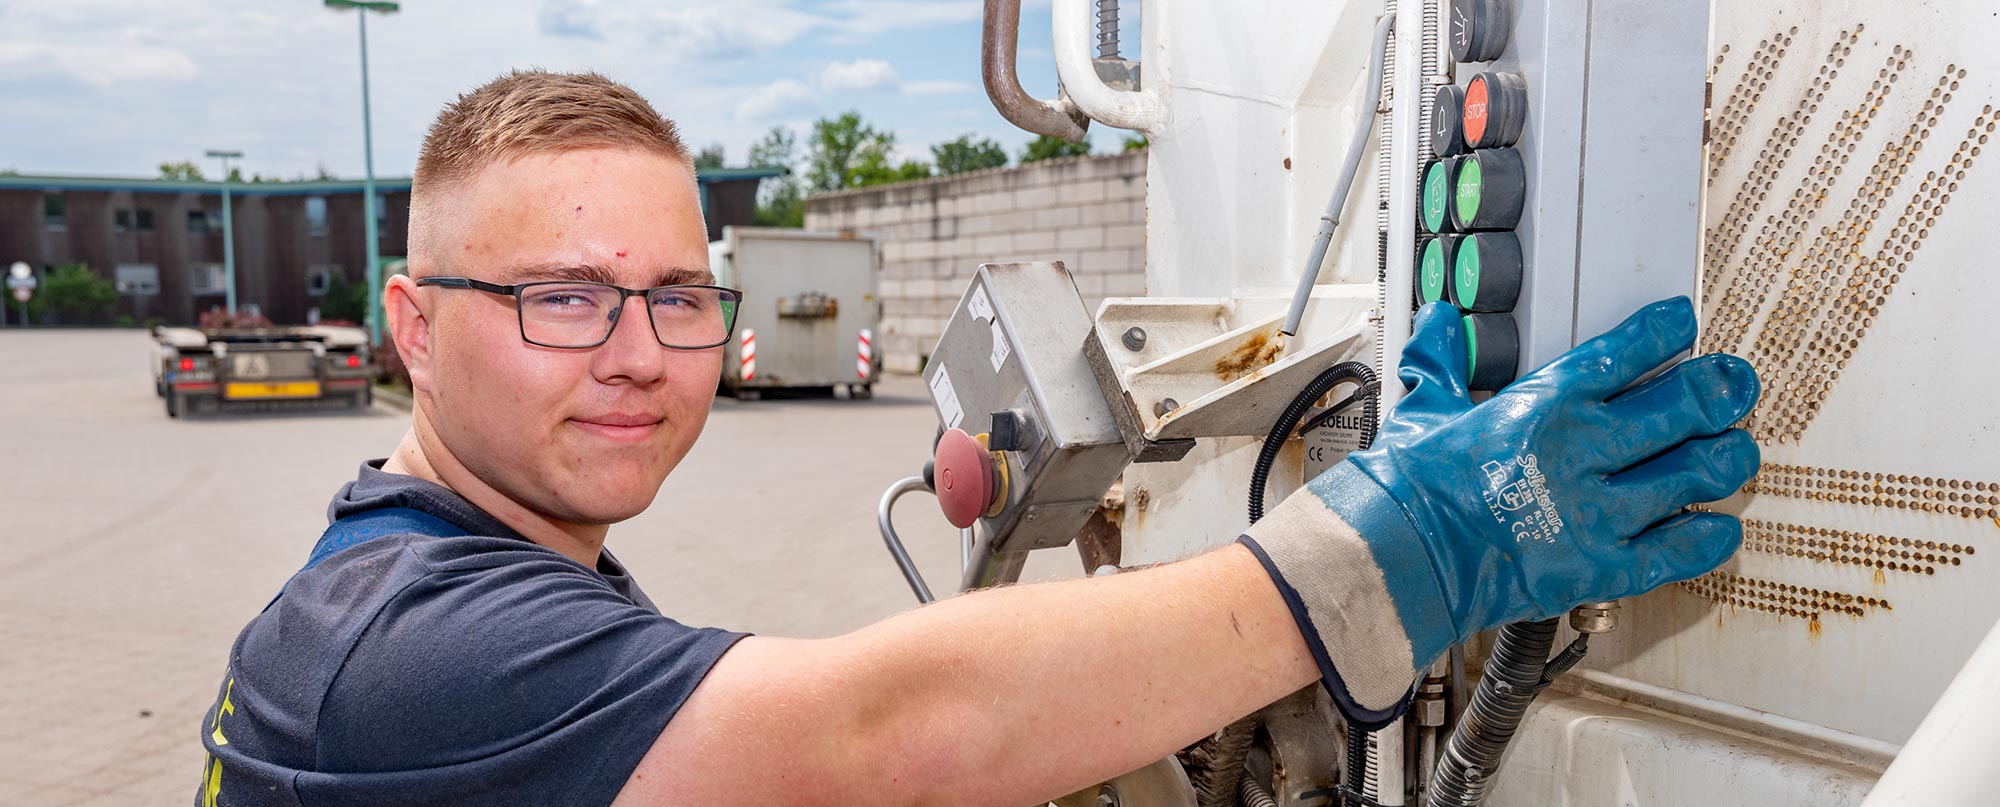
{"x":1849,"y":255}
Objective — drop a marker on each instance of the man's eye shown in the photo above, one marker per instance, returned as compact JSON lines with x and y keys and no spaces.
{"x":677,"y":300}
{"x":564,"y":300}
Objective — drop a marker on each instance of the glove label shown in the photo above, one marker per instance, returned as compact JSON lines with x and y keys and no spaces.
{"x":1517,"y":495}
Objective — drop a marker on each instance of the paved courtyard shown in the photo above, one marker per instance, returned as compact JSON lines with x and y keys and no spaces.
{"x":133,"y":547}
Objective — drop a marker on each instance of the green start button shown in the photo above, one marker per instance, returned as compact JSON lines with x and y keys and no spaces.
{"x":1490,"y":190}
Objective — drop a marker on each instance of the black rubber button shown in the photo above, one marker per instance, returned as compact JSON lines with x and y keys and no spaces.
{"x":1448,"y":121}
{"x":1494,"y":343}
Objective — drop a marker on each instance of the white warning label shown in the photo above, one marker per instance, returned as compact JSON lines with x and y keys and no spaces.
{"x":949,"y":409}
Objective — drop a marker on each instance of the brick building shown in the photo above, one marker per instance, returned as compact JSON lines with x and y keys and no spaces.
{"x":1088,"y":212}
{"x":160,"y":241}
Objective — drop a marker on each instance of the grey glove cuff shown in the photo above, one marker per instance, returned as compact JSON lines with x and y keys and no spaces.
{"x":1335,"y":589}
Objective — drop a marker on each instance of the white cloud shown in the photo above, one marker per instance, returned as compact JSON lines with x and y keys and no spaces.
{"x":868,"y":17}
{"x":776,"y":100}
{"x":936,"y":87}
{"x":97,"y":65}
{"x":863,"y":74}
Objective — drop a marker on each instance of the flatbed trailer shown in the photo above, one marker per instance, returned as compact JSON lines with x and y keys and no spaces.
{"x":261,"y":369}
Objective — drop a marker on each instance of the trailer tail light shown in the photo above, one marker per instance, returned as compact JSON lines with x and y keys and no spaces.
{"x":353,"y":361}
{"x":187,"y":364}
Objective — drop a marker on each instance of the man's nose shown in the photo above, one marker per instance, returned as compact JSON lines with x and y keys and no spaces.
{"x":633,"y":352}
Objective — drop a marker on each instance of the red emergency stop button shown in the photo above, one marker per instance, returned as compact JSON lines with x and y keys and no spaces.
{"x":966,"y":482}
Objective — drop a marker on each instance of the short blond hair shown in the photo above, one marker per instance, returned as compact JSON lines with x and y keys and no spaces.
{"x":532,"y":112}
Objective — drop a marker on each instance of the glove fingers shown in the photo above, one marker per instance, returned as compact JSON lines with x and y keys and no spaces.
{"x":1611,"y":362}
{"x":1681,"y":548}
{"x":1434,"y":371}
{"x":1700,"y":470}
{"x":1699,"y":397}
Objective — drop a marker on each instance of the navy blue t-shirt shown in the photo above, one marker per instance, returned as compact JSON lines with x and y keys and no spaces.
{"x":415,"y":669}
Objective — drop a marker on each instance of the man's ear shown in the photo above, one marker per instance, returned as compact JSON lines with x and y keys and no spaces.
{"x":409,"y":321}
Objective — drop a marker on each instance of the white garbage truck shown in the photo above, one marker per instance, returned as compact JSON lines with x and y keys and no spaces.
{"x":1811,"y":173}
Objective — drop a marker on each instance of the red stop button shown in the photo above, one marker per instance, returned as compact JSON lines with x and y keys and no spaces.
{"x":1477,"y":102}
{"x":966,"y":484}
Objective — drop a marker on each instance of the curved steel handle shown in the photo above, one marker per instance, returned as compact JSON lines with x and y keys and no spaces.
{"x":1000,"y":37}
{"x":1141,"y":110}
{"x":895,"y":544}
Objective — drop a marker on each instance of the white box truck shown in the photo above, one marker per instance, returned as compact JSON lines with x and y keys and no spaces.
{"x":809,"y":310}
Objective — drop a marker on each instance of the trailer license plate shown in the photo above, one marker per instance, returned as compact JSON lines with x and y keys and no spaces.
{"x":292,"y":389}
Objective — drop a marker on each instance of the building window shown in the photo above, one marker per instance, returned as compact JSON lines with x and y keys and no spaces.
{"x":199,"y":222}
{"x":138,"y":279}
{"x":54,"y":208}
{"x":319,"y":278}
{"x":315,"y":215}
{"x":126,"y":220}
{"x":207,"y":278}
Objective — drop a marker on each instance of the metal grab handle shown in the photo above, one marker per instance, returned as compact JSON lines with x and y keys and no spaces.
{"x":1000,"y":36}
{"x":1140,"y":110}
{"x":895,"y":544}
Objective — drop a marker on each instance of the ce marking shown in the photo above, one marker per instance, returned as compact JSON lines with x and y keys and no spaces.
{"x":1316,"y":454}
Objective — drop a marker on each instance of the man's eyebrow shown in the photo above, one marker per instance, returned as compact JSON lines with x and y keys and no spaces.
{"x":684,"y":274}
{"x":530,"y":274}
{"x":599,"y":274}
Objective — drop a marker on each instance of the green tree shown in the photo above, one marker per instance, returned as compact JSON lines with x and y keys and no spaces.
{"x":324,"y":174}
{"x":968,"y":153}
{"x":780,"y":200}
{"x":1136,"y":142}
{"x":710,"y":157}
{"x":183,"y":170}
{"x":344,"y":300}
{"x":77,"y":294}
{"x":1049,"y":148}
{"x":844,"y":150}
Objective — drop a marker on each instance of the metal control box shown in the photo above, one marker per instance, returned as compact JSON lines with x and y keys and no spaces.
{"x":1014,"y":347}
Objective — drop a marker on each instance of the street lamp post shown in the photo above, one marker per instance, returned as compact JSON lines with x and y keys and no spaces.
{"x":368,"y":164}
{"x":228,"y":234}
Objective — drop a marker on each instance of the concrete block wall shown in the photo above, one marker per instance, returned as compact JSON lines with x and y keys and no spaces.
{"x":1088,"y":212}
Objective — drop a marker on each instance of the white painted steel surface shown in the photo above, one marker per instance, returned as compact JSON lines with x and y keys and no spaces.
{"x":1845,"y":234}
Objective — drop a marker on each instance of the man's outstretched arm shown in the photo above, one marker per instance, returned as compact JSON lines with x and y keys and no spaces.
{"x":1002,"y":697}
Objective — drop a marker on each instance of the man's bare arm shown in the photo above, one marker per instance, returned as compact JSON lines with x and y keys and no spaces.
{"x":1008,"y":697}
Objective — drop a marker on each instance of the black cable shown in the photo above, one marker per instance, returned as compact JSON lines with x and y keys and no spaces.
{"x":1362,"y":394}
{"x":1288,"y":420}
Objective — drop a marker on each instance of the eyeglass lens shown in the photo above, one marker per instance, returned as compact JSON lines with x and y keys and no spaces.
{"x":583,"y":314}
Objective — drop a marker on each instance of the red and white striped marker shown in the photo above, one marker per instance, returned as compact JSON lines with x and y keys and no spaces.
{"x":749,"y":354}
{"x":867,"y":356}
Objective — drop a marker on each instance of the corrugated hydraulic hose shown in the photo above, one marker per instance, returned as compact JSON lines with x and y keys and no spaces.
{"x":1515,"y":673}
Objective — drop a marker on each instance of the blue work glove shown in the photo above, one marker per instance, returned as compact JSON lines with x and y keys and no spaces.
{"x":1564,"y":488}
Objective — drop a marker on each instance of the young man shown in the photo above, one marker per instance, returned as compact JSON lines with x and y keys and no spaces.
{"x":461,"y":636}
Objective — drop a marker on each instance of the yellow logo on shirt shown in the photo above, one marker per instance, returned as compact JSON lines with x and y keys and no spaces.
{"x":211,"y":786}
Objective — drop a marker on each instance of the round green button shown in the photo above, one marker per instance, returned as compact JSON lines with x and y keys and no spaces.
{"x":1470,"y":184}
{"x":1432,"y":278}
{"x":1437,"y":195}
{"x":1465,"y":281}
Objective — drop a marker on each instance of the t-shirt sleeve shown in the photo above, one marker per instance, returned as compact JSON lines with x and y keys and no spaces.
{"x":525,"y":682}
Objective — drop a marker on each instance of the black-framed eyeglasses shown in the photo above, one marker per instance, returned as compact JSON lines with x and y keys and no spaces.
{"x":582,"y":313}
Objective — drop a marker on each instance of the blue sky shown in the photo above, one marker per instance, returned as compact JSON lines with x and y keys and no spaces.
{"x":115,"y":87}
